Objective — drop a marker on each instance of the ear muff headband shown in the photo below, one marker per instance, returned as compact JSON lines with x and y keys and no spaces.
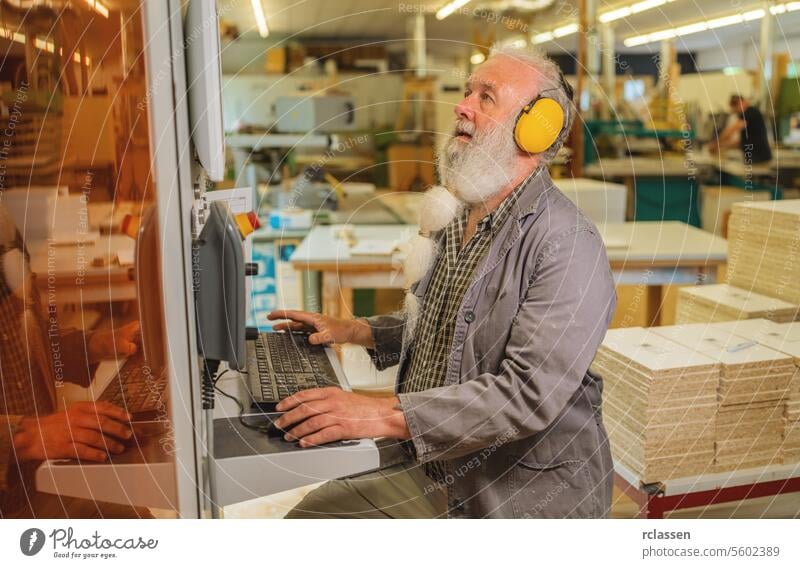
{"x":539,"y":124}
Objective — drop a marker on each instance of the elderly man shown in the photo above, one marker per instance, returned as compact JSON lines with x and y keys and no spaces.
{"x":495,"y":405}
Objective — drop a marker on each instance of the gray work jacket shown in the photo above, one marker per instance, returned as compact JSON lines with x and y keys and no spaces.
{"x":518,"y":421}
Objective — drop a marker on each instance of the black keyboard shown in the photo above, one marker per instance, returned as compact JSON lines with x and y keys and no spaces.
{"x":136,"y":388}
{"x":281,"y":364}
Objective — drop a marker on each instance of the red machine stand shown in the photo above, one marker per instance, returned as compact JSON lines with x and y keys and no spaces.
{"x":657,"y":499}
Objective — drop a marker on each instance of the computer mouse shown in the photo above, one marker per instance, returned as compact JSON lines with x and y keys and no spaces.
{"x":272,"y":430}
{"x":265,"y":422}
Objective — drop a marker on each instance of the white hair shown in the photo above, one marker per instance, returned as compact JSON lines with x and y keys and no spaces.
{"x":550,"y":80}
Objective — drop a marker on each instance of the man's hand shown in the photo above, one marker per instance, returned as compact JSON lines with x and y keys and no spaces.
{"x":120,"y":342}
{"x":324,"y":329}
{"x":86,"y":430}
{"x":320,"y":416}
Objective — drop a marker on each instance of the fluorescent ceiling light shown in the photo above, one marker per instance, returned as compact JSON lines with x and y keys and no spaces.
{"x":635,"y":8}
{"x":614,"y":14}
{"x":44,"y":45}
{"x":13,"y":36}
{"x":261,"y":18}
{"x":450,"y":7}
{"x":725,"y":21}
{"x":753,"y":15}
{"x":565,"y":30}
{"x":703,"y":25}
{"x":636,"y":40}
{"x":647,"y":5}
{"x":663,"y":34}
{"x":668,"y":33}
{"x":691,"y":29}
{"x":98,"y":7}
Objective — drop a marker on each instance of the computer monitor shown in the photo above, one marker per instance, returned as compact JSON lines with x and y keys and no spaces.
{"x":203,"y":73}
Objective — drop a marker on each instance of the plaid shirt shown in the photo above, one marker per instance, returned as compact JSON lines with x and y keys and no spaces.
{"x":452,"y":276}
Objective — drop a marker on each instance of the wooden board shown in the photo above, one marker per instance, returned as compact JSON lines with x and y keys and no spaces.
{"x":659,"y":404}
{"x":764,"y":248}
{"x":723,"y":302}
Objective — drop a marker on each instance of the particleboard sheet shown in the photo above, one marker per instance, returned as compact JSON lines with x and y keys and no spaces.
{"x":723,"y":302}
{"x":791,"y":441}
{"x":749,"y":372}
{"x":764,"y":248}
{"x":754,"y":384}
{"x":785,"y":338}
{"x":748,"y":435}
{"x":660,"y":404}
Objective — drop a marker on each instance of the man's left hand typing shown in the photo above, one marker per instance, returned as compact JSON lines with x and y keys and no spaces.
{"x":320,"y":416}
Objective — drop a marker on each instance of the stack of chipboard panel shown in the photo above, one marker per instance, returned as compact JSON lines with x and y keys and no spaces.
{"x":791,"y":440}
{"x":722,"y":302}
{"x":764,"y":248}
{"x":753,"y":387}
{"x":659,"y":404}
{"x":786,"y":339}
{"x":716,"y":202}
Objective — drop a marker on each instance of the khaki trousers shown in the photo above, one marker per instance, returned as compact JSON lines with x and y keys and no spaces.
{"x":398,"y":492}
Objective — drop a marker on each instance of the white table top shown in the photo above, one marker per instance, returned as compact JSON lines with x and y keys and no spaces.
{"x":661,"y":241}
{"x":74,"y":259}
{"x":735,"y":165}
{"x":667,"y":165}
{"x":324,"y":245}
{"x":587,"y":185}
{"x":672,"y":166}
{"x":636,"y":241}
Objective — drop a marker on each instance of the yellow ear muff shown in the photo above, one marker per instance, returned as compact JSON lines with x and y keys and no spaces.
{"x":539,"y":125}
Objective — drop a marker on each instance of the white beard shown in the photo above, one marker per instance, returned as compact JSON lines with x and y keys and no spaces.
{"x":477,"y":169}
{"x":471,"y":172}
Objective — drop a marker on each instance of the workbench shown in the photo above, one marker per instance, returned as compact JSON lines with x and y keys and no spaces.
{"x":325,"y":252}
{"x":663,"y":188}
{"x":275,"y":287}
{"x":654,"y":254}
{"x":68,"y":270}
{"x":771,"y":176}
